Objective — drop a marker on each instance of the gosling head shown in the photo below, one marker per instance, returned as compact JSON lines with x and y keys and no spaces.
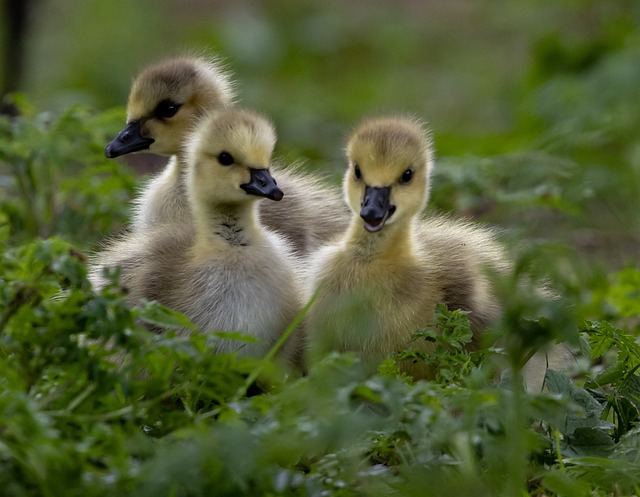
{"x":228,"y":159}
{"x":390,"y":159}
{"x":165,"y":102}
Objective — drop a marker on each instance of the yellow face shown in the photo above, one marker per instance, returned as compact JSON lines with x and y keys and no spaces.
{"x":388,"y":176}
{"x":167,"y":100}
{"x":229,"y":150}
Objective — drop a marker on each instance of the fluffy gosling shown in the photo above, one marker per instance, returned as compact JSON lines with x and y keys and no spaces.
{"x":226,"y":272}
{"x":382,"y":279}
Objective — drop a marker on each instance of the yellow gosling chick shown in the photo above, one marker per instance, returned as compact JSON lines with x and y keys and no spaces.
{"x":381,"y":280}
{"x":166,"y":101}
{"x":231,"y":274}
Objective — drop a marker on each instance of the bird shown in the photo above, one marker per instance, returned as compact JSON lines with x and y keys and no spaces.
{"x":166,"y":101}
{"x":380,"y":281}
{"x":226,"y":272}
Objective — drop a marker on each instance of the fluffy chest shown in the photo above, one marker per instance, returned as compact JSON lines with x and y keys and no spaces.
{"x":395,"y":279}
{"x":371,"y":304}
{"x":244,"y":288}
{"x":243,"y":275}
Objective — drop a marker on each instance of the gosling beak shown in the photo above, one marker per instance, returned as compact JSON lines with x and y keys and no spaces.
{"x":127,"y":141}
{"x":375,"y":207}
{"x":262,"y":184}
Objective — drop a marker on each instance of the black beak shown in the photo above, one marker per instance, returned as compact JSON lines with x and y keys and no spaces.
{"x":262,"y":184}
{"x":127,"y":141}
{"x":375,"y":208}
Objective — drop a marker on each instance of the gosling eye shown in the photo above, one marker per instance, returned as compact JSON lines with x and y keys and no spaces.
{"x":407,"y":176}
{"x":225,"y":158}
{"x":356,"y":171}
{"x":166,"y":109}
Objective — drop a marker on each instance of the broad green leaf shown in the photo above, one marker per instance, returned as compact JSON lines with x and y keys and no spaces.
{"x":563,"y":484}
{"x":589,"y":441}
{"x":159,"y":315}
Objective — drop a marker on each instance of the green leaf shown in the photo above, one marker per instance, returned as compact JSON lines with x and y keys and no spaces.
{"x":629,"y":447}
{"x":589,"y":441}
{"x":159,"y":315}
{"x":603,"y":336}
{"x":631,"y":389}
{"x":563,"y":484}
{"x":582,"y":410}
{"x":610,"y":375}
{"x":558,"y":382}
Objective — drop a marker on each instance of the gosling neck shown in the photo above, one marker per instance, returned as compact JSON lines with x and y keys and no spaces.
{"x":175,"y":171}
{"x":226,"y":225}
{"x":394,"y":240}
{"x":179,"y":161}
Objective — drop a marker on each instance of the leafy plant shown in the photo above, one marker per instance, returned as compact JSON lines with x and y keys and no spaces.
{"x":54,"y":178}
{"x":452,"y":359}
{"x":94,"y":404}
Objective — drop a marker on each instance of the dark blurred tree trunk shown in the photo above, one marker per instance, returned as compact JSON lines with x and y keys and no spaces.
{"x":15,"y":13}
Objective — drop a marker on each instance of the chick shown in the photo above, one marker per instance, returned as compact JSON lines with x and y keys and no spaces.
{"x":225,"y":272}
{"x":166,"y":101}
{"x":381,"y":281}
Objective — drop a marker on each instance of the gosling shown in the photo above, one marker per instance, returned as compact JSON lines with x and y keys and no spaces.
{"x":381,"y":281}
{"x":166,"y":101}
{"x":228,"y":273}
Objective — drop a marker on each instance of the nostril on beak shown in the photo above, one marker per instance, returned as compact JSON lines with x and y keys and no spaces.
{"x":125,"y":137}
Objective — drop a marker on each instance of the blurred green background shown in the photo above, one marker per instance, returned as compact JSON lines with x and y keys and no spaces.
{"x":534,"y":105}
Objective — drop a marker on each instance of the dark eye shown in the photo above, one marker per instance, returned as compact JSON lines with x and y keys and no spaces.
{"x":166,"y":109}
{"x":356,"y":170}
{"x":225,"y":158}
{"x":406,"y":176}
